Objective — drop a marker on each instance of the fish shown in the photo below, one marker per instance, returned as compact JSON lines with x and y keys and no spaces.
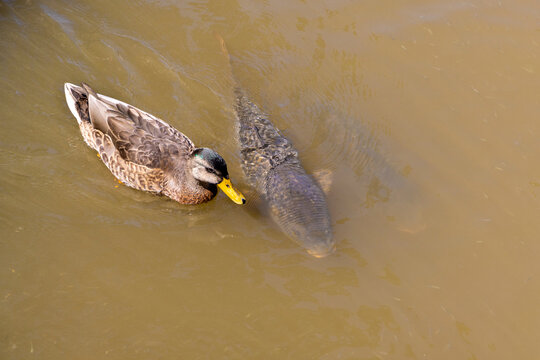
{"x":271,"y":165}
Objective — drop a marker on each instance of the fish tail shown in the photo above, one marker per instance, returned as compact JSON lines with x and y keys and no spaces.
{"x":227,"y":56}
{"x":223,"y":47}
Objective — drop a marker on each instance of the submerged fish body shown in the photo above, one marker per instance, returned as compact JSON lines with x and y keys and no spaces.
{"x":296,"y":202}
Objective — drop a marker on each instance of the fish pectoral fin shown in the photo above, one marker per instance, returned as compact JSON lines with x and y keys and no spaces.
{"x":324,"y":178}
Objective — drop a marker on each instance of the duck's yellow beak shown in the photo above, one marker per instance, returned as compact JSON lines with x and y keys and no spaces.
{"x":231,"y":192}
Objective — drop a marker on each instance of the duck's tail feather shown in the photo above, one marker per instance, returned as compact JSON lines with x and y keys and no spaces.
{"x":89,"y":90}
{"x":77,"y":100}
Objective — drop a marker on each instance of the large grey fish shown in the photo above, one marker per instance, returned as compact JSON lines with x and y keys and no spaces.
{"x":271,"y":165}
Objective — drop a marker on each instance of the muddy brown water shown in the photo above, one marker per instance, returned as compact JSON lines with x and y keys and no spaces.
{"x":426,"y":114}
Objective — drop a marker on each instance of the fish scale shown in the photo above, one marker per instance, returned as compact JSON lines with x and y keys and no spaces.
{"x":271,"y":165}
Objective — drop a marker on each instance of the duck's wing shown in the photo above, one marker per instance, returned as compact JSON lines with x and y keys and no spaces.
{"x":138,"y":136}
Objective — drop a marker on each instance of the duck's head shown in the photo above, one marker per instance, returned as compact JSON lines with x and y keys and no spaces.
{"x":209,"y":167}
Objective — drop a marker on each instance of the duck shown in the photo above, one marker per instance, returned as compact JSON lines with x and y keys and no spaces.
{"x":146,"y":153}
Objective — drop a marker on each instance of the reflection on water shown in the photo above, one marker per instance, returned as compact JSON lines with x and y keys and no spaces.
{"x":422,"y":114}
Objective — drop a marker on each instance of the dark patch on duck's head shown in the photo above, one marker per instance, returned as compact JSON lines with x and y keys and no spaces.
{"x":212,"y":161}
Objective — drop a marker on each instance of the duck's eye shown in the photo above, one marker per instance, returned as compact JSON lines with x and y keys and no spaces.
{"x":210,"y":170}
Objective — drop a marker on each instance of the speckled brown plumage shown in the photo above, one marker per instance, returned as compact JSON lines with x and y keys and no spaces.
{"x":139,"y":149}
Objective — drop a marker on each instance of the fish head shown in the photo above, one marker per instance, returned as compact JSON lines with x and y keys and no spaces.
{"x":298,"y":206}
{"x":314,"y":236}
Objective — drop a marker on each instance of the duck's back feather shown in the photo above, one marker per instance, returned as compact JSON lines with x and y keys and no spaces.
{"x":138,"y":136}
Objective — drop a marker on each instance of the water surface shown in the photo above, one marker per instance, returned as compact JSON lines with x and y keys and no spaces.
{"x":424,"y":112}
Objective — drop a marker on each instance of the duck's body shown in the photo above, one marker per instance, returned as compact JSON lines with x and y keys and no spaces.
{"x":145,"y":152}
